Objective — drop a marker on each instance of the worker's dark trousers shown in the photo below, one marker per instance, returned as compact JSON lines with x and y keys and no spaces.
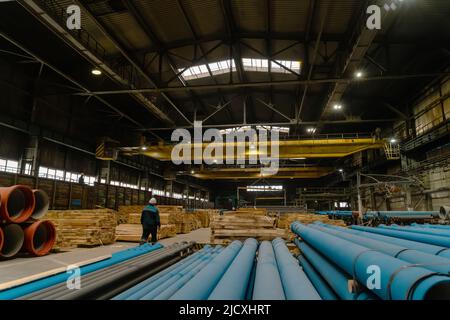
{"x":146,"y":231}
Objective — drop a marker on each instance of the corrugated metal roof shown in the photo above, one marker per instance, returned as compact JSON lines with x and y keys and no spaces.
{"x":165,"y":18}
{"x":205,"y":16}
{"x":250,"y":15}
{"x":127,"y":30}
{"x":290,"y":15}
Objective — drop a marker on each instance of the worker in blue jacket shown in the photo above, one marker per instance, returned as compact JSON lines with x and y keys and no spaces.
{"x":150,"y":222}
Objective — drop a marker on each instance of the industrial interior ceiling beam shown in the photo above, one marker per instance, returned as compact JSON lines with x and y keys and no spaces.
{"x":255,"y":173}
{"x":149,"y":32}
{"x":204,"y":54}
{"x":70,"y":79}
{"x":288,"y":149}
{"x":105,"y":30}
{"x":280,"y":124}
{"x":313,"y":62}
{"x":273,"y":83}
{"x":359,"y":40}
{"x":282,"y":36}
{"x":50,"y":19}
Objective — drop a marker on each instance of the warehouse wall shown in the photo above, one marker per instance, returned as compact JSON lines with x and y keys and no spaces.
{"x":430,"y":164}
{"x":433,"y":108}
{"x":66,"y":195}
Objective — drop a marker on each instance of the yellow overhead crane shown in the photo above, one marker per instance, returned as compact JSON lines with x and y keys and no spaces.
{"x":288,"y":149}
{"x":311,"y":172}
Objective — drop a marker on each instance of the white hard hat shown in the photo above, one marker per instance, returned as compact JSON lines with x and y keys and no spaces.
{"x":152,"y":201}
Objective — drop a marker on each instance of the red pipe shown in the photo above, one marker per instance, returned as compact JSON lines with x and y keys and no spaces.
{"x":17,"y":203}
{"x":40,"y":237}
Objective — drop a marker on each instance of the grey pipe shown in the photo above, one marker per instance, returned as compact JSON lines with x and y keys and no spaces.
{"x":60,"y":289}
{"x":42,"y":204}
{"x":13,"y":240}
{"x":101,"y":285}
{"x":444,"y":213}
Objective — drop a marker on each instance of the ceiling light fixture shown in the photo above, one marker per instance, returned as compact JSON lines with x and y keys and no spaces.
{"x":96,"y":72}
{"x":337,"y":107}
{"x":359,"y":74}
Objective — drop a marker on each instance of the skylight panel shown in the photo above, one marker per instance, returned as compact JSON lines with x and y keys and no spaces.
{"x":260,"y":65}
{"x":221,"y":67}
{"x":195,"y":72}
{"x":291,"y":65}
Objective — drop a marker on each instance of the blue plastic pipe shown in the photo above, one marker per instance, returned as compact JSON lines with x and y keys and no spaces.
{"x":296,"y":284}
{"x":268,"y":284}
{"x":425,"y":238}
{"x":201,"y":286}
{"x":335,"y":277}
{"x":398,"y":280}
{"x":403,"y":214}
{"x":324,"y":290}
{"x":153,"y":282}
{"x":234,"y":283}
{"x":168,"y":289}
{"x":40,"y":284}
{"x":429,"y":231}
{"x":426,"y":260}
{"x":335,"y":213}
{"x":433,"y":226}
{"x":374,"y":233}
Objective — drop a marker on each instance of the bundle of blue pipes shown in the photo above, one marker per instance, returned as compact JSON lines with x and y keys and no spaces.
{"x":40,"y":284}
{"x":388,"y":262}
{"x":240,"y":271}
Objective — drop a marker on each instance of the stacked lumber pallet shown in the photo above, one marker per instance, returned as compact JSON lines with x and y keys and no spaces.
{"x":252,"y":211}
{"x":124,"y":212}
{"x":203,"y":217}
{"x":285,"y":220}
{"x":77,"y":228}
{"x":133,"y":232}
{"x":173,"y":220}
{"x":240,"y":226}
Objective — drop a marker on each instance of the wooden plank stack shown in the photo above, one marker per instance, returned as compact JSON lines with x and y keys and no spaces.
{"x":173,"y":219}
{"x":133,"y":232}
{"x":242,"y":224}
{"x":78,"y":228}
{"x":285,"y":220}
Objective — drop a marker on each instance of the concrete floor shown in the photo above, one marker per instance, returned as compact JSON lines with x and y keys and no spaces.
{"x":26,"y":266}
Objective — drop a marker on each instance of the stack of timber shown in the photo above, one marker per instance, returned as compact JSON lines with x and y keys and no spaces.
{"x":202,"y":216}
{"x":252,"y":211}
{"x":240,"y":226}
{"x":79,"y":228}
{"x":125,"y":213}
{"x":285,"y":220}
{"x":173,"y":220}
{"x":133,"y":232}
{"x":184,"y":222}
